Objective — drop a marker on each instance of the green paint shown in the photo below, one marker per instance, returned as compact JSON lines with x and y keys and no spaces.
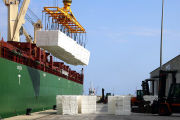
{"x":22,"y":87}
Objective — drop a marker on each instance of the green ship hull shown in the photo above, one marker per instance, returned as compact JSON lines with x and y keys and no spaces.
{"x":23,"y":87}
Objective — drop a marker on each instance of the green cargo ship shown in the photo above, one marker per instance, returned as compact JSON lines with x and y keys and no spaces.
{"x":23,"y":87}
{"x":29,"y":78}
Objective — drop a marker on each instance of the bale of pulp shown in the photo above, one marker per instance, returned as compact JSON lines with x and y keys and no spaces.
{"x":87,"y":104}
{"x":62,"y":47}
{"x":72,"y":104}
{"x":119,"y":105}
{"x":111,"y":105}
{"x":67,"y":105}
{"x":126,"y":105}
{"x":150,"y":98}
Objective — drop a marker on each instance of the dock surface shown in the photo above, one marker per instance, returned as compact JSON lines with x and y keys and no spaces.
{"x":101,"y":114}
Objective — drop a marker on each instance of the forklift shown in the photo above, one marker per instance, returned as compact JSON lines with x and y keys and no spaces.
{"x":138,"y":100}
{"x":165,"y":106}
{"x":106,"y":98}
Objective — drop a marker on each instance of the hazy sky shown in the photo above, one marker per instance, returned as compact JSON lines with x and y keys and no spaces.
{"x":124,"y":39}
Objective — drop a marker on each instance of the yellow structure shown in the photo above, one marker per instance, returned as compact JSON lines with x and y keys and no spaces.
{"x":65,"y":17}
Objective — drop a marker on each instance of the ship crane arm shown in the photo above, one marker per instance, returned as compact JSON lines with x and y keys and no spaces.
{"x":28,"y":38}
{"x":20,"y":20}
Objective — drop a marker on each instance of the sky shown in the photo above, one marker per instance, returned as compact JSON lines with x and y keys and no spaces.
{"x":123,"y":38}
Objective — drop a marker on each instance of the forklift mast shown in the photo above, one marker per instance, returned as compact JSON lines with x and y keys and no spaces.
{"x":102,"y":94}
{"x":162,"y":83}
{"x":145,"y":87}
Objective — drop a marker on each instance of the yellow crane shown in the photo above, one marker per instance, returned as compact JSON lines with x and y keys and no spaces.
{"x":65,"y":17}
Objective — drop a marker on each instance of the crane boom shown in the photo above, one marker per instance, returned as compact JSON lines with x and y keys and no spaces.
{"x":28,"y":39}
{"x":20,"y":20}
{"x":4,"y":1}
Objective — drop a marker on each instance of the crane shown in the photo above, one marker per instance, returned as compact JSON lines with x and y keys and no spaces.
{"x":16,"y":21}
{"x":97,"y":90}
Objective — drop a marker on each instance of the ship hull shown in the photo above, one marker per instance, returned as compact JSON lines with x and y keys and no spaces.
{"x":23,"y":87}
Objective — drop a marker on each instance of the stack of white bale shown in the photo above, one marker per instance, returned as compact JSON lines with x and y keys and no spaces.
{"x":72,"y":104}
{"x":149,"y":98}
{"x":92,"y":104}
{"x":88,"y":104}
{"x":111,"y":105}
{"x":62,"y":47}
{"x":119,"y":105}
{"x":67,"y":105}
{"x":126,"y":105}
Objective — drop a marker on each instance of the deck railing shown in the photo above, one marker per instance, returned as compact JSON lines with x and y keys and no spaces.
{"x":18,"y":57}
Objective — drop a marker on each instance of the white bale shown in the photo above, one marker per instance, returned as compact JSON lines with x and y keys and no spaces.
{"x":92,"y":98}
{"x":84,"y":111}
{"x":66,"y":112}
{"x":111,"y":105}
{"x":111,"y":102}
{"x":119,"y":108}
{"x":118,"y":103}
{"x":63,"y":47}
{"x":84,"y":102}
{"x":84,"y":98}
{"x":150,"y":98}
{"x":67,"y":104}
{"x":68,"y":47}
{"x":127,"y":98}
{"x":84,"y":106}
{"x":92,"y":102}
{"x":74,"y":104}
{"x":59,"y":98}
{"x":127,"y":102}
{"x":111,"y":98}
{"x":92,"y":111}
{"x":119,"y":97}
{"x":66,"y":107}
{"x":73,"y":98}
{"x":65,"y":98}
{"x":78,"y":49}
{"x":74,"y":112}
{"x":126,"y":108}
{"x":111,"y":111}
{"x":92,"y":107}
{"x":73,"y":47}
